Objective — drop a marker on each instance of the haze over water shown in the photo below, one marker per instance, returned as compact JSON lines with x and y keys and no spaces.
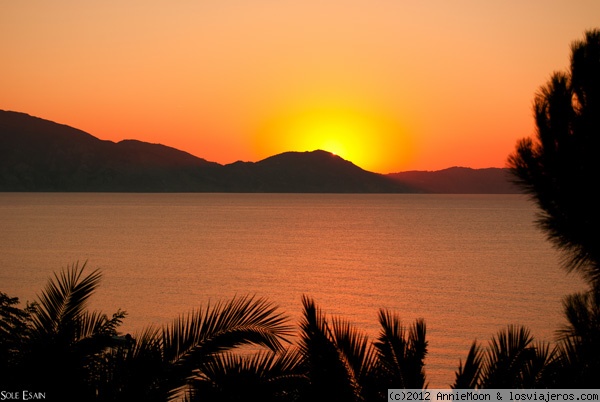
{"x":468,"y":264}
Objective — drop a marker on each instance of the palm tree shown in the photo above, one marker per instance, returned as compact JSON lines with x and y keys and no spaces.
{"x":332,"y":361}
{"x":341,"y":363}
{"x":511,"y":360}
{"x":164,"y":363}
{"x":334,"y":356}
{"x":64,"y":342}
{"x":74,"y":354}
{"x":579,"y":341}
{"x":264,"y":376}
{"x":401,"y":353}
{"x":507,"y":354}
{"x":468,"y":376}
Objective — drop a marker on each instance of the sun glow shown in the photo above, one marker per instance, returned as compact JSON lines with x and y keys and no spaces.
{"x":370,"y":140}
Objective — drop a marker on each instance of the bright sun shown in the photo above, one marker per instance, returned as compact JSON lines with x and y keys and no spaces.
{"x":370,"y":140}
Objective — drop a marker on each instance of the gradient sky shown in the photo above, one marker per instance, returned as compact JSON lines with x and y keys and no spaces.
{"x":391,"y":85}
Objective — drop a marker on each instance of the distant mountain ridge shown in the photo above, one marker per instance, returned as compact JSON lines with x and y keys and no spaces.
{"x":40,"y":155}
{"x":459,"y":180}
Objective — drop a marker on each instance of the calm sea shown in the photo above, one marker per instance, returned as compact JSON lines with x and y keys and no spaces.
{"x":468,"y":264}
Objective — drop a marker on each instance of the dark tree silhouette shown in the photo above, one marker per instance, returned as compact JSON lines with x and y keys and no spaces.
{"x":163,"y":362}
{"x":15,"y":331}
{"x":401,"y":353}
{"x":60,"y":342}
{"x":264,"y":376}
{"x":59,"y":347}
{"x":511,"y":360}
{"x":334,"y":356}
{"x":333,"y":360}
{"x":342,"y":364}
{"x":579,"y":344}
{"x":560,"y":168}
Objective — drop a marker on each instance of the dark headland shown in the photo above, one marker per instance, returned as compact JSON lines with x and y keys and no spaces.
{"x":38,"y":155}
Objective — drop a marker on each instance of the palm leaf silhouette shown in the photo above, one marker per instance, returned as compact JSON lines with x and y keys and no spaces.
{"x":356,"y":351}
{"x":468,"y":376}
{"x":265,"y":376}
{"x":579,"y":340}
{"x":64,"y":300}
{"x":171,"y":357}
{"x":323,"y":361}
{"x":506,"y":357}
{"x":67,"y":341}
{"x":401,"y":352}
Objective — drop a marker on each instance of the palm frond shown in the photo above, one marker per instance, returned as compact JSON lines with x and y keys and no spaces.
{"x":540,"y":371}
{"x":240,"y":321}
{"x":506,"y":357}
{"x":391,"y":345}
{"x":64,"y":299}
{"x":579,"y":340}
{"x":401,"y":352}
{"x":356,"y":349}
{"x":467,"y":376}
{"x":96,"y":323}
{"x":265,"y":376}
{"x":147,"y":341}
{"x":323,"y":362}
{"x":193,"y":339}
{"x":418,"y":343}
{"x":137,"y":370}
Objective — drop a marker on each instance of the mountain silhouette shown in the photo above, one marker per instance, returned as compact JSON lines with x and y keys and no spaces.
{"x":311,"y":172}
{"x":459,"y":180}
{"x":41,"y":155}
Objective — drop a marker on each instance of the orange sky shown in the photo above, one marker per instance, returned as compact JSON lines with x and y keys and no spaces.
{"x":391,"y":85}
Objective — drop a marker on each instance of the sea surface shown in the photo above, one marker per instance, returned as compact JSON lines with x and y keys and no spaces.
{"x":468,"y":264}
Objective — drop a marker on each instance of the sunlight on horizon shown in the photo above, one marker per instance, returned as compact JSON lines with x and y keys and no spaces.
{"x":369,"y":139}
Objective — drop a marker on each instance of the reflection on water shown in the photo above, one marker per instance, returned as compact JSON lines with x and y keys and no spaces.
{"x":468,"y":264}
